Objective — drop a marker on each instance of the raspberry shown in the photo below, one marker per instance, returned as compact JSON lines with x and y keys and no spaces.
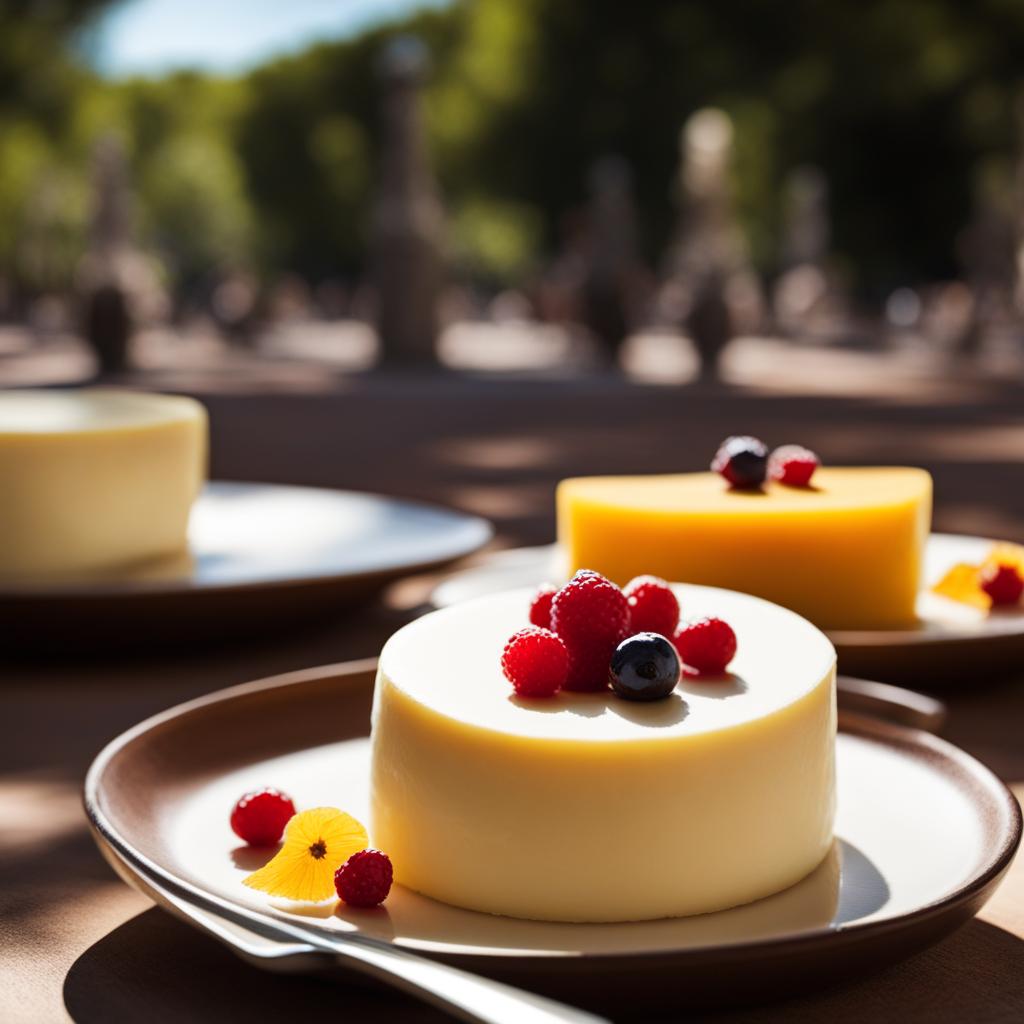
{"x":793,"y":465}
{"x":364,"y":880}
{"x":535,"y":662}
{"x":540,"y":606}
{"x":260,"y":817}
{"x":591,"y":615}
{"x":1002,"y":583}
{"x":653,"y":608}
{"x":706,"y":645}
{"x":743,"y":461}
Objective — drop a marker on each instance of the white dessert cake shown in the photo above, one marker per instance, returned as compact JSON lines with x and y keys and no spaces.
{"x":95,"y":480}
{"x":587,"y":807}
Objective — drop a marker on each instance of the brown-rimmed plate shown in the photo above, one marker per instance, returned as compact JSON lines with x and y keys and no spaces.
{"x":951,"y":641}
{"x":924,"y":834}
{"x":257,"y":552}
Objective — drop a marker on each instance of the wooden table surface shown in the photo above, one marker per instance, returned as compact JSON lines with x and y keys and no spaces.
{"x":76,"y":943}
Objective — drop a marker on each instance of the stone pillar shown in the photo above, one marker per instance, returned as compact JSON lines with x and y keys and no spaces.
{"x":612,"y":269}
{"x":107,"y":322}
{"x":988,"y":250}
{"x":805,"y":230}
{"x":408,"y":218}
{"x":806,"y":298}
{"x":709,"y":253}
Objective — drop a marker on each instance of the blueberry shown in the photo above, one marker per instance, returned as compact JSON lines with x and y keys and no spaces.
{"x":644,"y":667}
{"x":743,"y":461}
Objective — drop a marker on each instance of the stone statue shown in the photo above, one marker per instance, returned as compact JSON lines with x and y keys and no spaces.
{"x":612,"y":272}
{"x":988,"y":250}
{"x":107,"y":321}
{"x":707,"y":264}
{"x":805,"y":296}
{"x":408,"y":218}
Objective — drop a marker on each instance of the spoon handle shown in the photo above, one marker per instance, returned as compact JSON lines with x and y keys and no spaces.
{"x":466,"y":996}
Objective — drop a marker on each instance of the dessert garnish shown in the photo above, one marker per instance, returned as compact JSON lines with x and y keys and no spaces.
{"x":706,"y":646}
{"x":316,"y":843}
{"x":540,"y":606}
{"x":966,"y":583}
{"x":535,"y":661}
{"x":591,"y":616}
{"x":644,"y":667}
{"x":601,"y":635}
{"x":1002,"y":582}
{"x":792,"y":465}
{"x":743,"y":461}
{"x":259,"y":817}
{"x":364,"y":880}
{"x":653,"y":606}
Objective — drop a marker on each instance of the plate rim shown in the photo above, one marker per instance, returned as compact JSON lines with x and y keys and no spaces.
{"x":849,"y":639}
{"x":353,"y":673}
{"x":99,"y":590}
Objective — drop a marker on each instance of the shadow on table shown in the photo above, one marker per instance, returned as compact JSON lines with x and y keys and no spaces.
{"x":156,"y":968}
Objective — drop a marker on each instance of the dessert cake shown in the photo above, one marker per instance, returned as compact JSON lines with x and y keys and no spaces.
{"x":95,"y":480}
{"x":845,"y":551}
{"x":589,"y":807}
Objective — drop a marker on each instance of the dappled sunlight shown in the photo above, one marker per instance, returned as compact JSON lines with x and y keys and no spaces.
{"x":660,"y":357}
{"x":496,"y":453}
{"x":510,"y":347}
{"x":36,"y":811}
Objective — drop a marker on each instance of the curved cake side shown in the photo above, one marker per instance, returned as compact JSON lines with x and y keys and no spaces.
{"x":96,"y":480}
{"x":846,"y":552}
{"x":592,"y":808}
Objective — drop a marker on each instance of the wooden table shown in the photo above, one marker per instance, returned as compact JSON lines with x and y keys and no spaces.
{"x":75,"y":942}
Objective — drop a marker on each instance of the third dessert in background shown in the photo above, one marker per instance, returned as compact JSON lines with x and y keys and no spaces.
{"x":94,"y":480}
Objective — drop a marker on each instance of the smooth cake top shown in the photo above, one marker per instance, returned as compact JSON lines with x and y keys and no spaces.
{"x":839,"y":488}
{"x":449,"y":662}
{"x":89,"y":409}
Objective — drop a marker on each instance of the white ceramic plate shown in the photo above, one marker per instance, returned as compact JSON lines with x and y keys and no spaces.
{"x":924,"y":833}
{"x":257,"y":553}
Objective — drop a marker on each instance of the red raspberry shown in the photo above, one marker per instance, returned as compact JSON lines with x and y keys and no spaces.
{"x":591,"y":615}
{"x":706,"y":645}
{"x":260,"y":817}
{"x":540,"y":606}
{"x":535,"y":662}
{"x":1002,"y":583}
{"x":653,"y":607}
{"x":793,"y":465}
{"x":364,"y":880}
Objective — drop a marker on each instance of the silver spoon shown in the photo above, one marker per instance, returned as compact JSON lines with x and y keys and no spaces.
{"x":464,"y":995}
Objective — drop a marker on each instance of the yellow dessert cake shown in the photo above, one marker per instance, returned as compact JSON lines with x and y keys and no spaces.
{"x":846,"y":552}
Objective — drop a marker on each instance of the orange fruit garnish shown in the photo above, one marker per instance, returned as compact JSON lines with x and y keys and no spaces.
{"x":963,"y":581}
{"x":316,"y":844}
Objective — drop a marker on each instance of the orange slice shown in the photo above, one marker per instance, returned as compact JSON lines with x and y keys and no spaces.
{"x":963,"y":582}
{"x":316,"y":844}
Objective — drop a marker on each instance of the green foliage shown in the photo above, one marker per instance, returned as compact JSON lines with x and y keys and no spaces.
{"x":499,"y":240}
{"x":196,"y":211}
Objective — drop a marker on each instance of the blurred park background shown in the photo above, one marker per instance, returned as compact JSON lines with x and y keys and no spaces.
{"x":487,"y":223}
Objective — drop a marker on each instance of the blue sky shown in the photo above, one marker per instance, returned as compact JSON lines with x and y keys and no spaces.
{"x":151,"y":37}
